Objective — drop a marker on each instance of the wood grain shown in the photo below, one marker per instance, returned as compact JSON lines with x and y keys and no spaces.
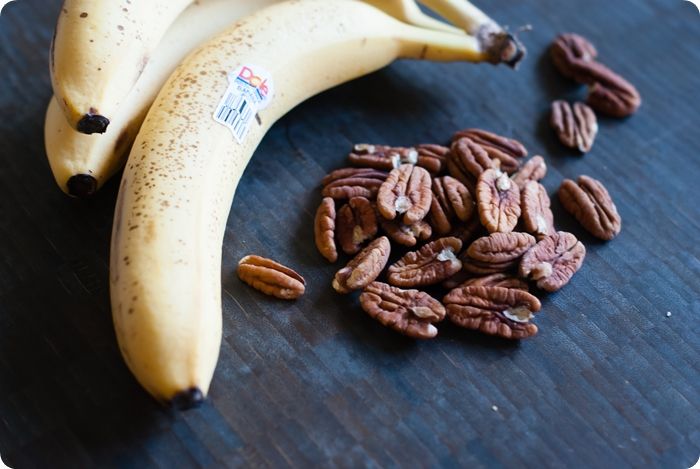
{"x":610,"y":381}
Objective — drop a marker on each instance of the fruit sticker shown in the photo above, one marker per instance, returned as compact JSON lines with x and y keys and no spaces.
{"x":250,"y":89}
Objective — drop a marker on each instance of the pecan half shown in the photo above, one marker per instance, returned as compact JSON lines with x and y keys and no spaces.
{"x":357,"y":223}
{"x":382,"y":157}
{"x":406,"y":191}
{"x":364,"y":268}
{"x":589,"y":202}
{"x":575,"y":126}
{"x":324,"y":229}
{"x":536,"y":212}
{"x":467,"y":161}
{"x":505,"y":312}
{"x":451,"y":204}
{"x":497,"y":252}
{"x":410,"y":312}
{"x":497,"y":280}
{"x":535,"y":169}
{"x":406,"y":235}
{"x":432,"y":157}
{"x":347,"y":183}
{"x":569,"y":51}
{"x":506,"y":150}
{"x":271,"y":277}
{"x":431,"y":264}
{"x":553,"y":261}
{"x":498,"y":200}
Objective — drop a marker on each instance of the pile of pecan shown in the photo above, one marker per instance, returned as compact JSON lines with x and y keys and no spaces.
{"x":466,"y":223}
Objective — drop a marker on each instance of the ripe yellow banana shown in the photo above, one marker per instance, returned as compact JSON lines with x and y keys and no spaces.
{"x":81,"y":163}
{"x":184,"y":167}
{"x":100,"y":48}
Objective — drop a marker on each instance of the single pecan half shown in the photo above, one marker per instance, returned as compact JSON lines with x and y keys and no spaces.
{"x":357,"y":223}
{"x":406,"y":235}
{"x":505,"y":312}
{"x":347,"y":183}
{"x":498,"y":200}
{"x":553,"y":261}
{"x":406,"y":191}
{"x":505,"y":150}
{"x":431,"y":264}
{"x":589,"y":202}
{"x":466,"y":161}
{"x":496,"y":280}
{"x":271,"y":277}
{"x":364,"y":268}
{"x":452,"y":203}
{"x":536,"y":212}
{"x":324,"y":229}
{"x":569,"y":51}
{"x":432,"y":157}
{"x":345,"y":173}
{"x":410,"y":312}
{"x":535,"y":169}
{"x":382,"y":157}
{"x":497,"y":252}
{"x":575,"y":126}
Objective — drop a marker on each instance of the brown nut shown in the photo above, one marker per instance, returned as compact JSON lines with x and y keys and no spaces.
{"x":382,"y":157}
{"x":406,"y":191}
{"x":505,"y":312}
{"x":505,"y":150}
{"x":589,"y":202}
{"x":410,"y":312}
{"x":324,"y":229}
{"x":498,"y":200}
{"x":570,"y":51}
{"x":364,"y":268}
{"x":613,"y":95}
{"x":534,"y":169}
{"x":496,"y":280}
{"x":406,"y":235}
{"x":575,"y":126}
{"x":431,"y":264}
{"x":345,"y":173}
{"x":432,"y":157}
{"x":536,"y":212}
{"x":497,"y":252}
{"x":347,"y":183}
{"x":451,"y":204}
{"x":467,"y":161}
{"x":357,"y":223}
{"x":271,"y":278}
{"x":553,"y":261}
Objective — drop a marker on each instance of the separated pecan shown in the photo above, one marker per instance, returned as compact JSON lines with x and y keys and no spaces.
{"x":570,"y":51}
{"x":498,"y":200}
{"x":505,"y":312}
{"x":451,"y":204}
{"x":347,"y":183}
{"x":432,"y":157}
{"x":406,"y":235}
{"x":553,"y":261}
{"x":497,"y":252}
{"x":467,"y":161}
{"x":589,"y":202}
{"x":324,"y":229}
{"x":364,"y":268}
{"x":505,"y":150}
{"x":537,"y":216}
{"x":431,"y":264}
{"x":496,"y":280}
{"x":410,"y":312}
{"x":406,"y":191}
{"x":575,"y":126}
{"x":382,"y":157}
{"x":357,"y":223}
{"x":534,"y":169}
{"x":271,"y":278}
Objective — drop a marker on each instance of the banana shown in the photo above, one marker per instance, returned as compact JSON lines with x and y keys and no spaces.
{"x":184,"y":167}
{"x":98,"y":52}
{"x":81,"y":163}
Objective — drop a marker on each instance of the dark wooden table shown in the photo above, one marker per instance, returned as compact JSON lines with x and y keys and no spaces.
{"x":610,"y":381}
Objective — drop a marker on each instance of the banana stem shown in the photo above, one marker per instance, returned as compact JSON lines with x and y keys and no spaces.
{"x":422,"y":44}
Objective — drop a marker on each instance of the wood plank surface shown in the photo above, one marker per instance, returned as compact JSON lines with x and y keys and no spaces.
{"x":610,"y":381}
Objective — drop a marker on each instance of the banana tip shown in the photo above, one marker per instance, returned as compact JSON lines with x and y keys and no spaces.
{"x":93,"y":124}
{"x":82,"y":186}
{"x":187,"y":399}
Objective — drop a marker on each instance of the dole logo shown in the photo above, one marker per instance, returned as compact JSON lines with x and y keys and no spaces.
{"x":260,"y":83}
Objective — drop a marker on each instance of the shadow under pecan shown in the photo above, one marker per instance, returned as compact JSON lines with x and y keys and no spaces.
{"x":589,"y":202}
{"x":406,"y":235}
{"x":364,"y":268}
{"x":537,"y":215}
{"x":496,"y":253}
{"x":466,"y":161}
{"x":576,"y":126}
{"x":553,"y":261}
{"x":506,"y":150}
{"x":452,"y":203}
{"x":505,"y":312}
{"x":271,"y":277}
{"x":357,"y":223}
{"x":409,"y":312}
{"x":535,"y":169}
{"x":406,"y":191}
{"x":324,"y":229}
{"x":431,"y":264}
{"x":347,"y":183}
{"x":498,"y":201}
{"x":496,"y":280}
